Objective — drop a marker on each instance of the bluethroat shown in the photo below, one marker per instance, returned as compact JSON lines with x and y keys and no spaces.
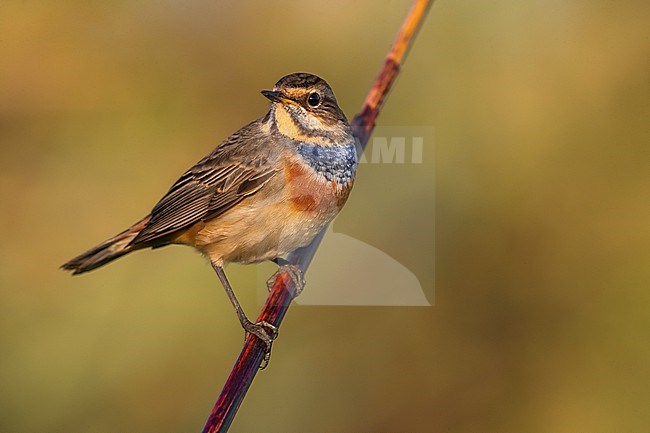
{"x":265,"y":191}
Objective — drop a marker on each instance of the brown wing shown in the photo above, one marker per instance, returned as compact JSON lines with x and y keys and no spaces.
{"x":236,"y":169}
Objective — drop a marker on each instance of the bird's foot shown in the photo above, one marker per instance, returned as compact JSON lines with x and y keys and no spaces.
{"x":265,"y":332}
{"x":295,"y":273}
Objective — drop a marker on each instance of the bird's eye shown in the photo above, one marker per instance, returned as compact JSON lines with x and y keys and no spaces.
{"x":313,"y":99}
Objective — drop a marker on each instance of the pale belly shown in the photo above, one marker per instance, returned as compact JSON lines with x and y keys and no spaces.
{"x":265,"y":228}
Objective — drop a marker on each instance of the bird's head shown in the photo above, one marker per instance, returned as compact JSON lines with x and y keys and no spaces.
{"x":304,"y":109}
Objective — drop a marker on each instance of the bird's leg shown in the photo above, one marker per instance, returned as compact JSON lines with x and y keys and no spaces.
{"x":262,"y":330}
{"x":294,"y":272}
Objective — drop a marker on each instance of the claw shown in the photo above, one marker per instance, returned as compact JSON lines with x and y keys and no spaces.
{"x":259,"y":329}
{"x":295,"y":273}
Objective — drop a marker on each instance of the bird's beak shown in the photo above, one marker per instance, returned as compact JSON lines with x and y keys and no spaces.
{"x":273,"y":95}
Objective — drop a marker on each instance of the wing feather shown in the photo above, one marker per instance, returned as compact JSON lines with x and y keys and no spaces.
{"x":236,"y":169}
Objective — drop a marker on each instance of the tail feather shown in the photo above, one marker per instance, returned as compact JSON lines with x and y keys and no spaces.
{"x":107,"y":251}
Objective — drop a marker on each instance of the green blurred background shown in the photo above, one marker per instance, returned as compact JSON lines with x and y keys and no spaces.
{"x":541,"y":320}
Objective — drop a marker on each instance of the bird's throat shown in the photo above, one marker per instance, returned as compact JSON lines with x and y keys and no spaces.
{"x":304,"y":128}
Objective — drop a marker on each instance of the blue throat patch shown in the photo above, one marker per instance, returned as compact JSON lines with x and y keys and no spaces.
{"x":337,"y":163}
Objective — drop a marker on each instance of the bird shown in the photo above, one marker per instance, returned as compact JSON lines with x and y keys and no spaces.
{"x":265,"y":191}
